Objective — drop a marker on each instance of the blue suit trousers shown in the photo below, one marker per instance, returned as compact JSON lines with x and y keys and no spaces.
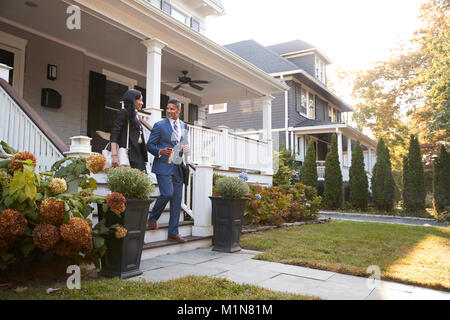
{"x":170,"y":189}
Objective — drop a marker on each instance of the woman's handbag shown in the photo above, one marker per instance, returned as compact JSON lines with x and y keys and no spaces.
{"x":122,"y":153}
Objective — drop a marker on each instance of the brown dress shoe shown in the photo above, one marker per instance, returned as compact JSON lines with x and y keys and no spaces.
{"x":176,"y":237}
{"x":152,"y":225}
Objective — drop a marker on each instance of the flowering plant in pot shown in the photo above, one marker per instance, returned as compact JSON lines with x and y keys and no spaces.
{"x":228,"y":205}
{"x":133,"y":187}
{"x":42,"y":225}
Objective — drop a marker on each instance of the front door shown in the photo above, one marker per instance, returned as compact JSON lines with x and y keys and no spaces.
{"x":105,"y":96}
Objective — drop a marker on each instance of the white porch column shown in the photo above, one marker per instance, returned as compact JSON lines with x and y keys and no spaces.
{"x":349,"y":152}
{"x":291,"y":146}
{"x":339,"y":142}
{"x":154,"y":53}
{"x":201,"y":205}
{"x":267,"y":132}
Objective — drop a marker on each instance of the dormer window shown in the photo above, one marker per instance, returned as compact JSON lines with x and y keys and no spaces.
{"x":320,"y":69}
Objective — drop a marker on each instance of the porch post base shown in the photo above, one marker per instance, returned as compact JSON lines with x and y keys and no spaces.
{"x":202,"y":231}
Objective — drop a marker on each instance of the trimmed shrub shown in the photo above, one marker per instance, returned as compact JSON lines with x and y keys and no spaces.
{"x":308,"y":172}
{"x":359,"y":193}
{"x":441,"y":181}
{"x":413,"y":179}
{"x":383,"y":185}
{"x":333,"y":177}
{"x":232,"y":187}
{"x":131,"y":183}
{"x":277,"y":205}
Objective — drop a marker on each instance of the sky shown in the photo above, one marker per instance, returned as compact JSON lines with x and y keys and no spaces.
{"x":352,"y":33}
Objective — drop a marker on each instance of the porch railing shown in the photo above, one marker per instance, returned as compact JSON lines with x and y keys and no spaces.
{"x":23,"y":129}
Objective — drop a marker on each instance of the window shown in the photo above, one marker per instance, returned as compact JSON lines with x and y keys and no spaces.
{"x":320,"y":69}
{"x":304,"y":104}
{"x":308,"y":106}
{"x":330,"y":113}
{"x":311,"y":106}
{"x":217,"y":108}
{"x":193,"y":113}
{"x":195,"y":24}
{"x":166,"y":7}
{"x":334,"y":115}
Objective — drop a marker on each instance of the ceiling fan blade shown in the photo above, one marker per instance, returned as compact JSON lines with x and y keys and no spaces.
{"x":193,"y":85}
{"x":177,"y":87}
{"x":201,"y":81}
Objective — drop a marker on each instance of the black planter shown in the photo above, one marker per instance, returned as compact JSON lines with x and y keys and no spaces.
{"x":227,"y":215}
{"x":123,"y":256}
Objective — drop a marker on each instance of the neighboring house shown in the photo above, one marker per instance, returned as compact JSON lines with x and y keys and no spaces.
{"x":72,"y":60}
{"x":307,"y":111}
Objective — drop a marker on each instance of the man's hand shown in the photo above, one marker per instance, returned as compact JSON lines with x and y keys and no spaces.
{"x":166,"y":152}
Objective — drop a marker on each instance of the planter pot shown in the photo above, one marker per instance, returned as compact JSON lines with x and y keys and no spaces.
{"x":123,"y":256}
{"x":227,"y":215}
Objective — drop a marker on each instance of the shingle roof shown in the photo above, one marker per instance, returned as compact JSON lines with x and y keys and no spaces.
{"x":291,"y":46}
{"x":261,"y":57}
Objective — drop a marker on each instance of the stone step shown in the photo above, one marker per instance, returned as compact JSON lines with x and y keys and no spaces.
{"x":151,"y":236}
{"x":164,"y":247}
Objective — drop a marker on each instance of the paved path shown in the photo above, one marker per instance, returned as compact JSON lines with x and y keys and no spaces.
{"x":241,"y":268}
{"x":385,"y":219}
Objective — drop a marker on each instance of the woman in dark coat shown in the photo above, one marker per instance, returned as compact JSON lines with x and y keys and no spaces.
{"x":137,"y":151}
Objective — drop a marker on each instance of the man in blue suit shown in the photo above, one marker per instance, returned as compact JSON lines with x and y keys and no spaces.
{"x":166,"y":135}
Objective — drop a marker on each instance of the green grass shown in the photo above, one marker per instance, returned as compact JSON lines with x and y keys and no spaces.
{"x":409,"y":254}
{"x":191,"y":287}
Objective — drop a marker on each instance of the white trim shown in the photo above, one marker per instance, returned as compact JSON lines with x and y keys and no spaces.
{"x":211,"y":111}
{"x":294,"y":54}
{"x":112,"y":76}
{"x":313,"y":79}
{"x":17,"y":46}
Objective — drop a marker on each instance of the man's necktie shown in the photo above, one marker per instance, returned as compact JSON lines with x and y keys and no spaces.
{"x":175,"y":131}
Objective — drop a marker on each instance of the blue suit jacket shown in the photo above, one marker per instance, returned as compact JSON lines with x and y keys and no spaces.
{"x":160,"y":138}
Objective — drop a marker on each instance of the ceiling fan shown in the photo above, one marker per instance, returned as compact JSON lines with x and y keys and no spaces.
{"x":185,"y":80}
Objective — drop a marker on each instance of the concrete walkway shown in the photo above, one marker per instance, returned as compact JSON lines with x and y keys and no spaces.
{"x":411,"y":221}
{"x":241,"y":268}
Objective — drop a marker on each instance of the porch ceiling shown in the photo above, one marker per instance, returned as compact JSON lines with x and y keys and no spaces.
{"x":102,"y":36}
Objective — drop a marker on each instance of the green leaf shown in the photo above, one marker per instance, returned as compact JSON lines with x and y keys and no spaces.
{"x":98,"y":242}
{"x":18,"y":182}
{"x":8,"y":201}
{"x":92,"y":184}
{"x":105,"y":207}
{"x":87,"y":210}
{"x":66,"y":207}
{"x":27,"y":246}
{"x":5,"y":255}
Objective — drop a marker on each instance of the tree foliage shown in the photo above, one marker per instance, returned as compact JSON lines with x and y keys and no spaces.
{"x":359,"y":193}
{"x":441,"y":180}
{"x":308,"y":172}
{"x":413,"y":178}
{"x":409,"y":92}
{"x":383,"y":185}
{"x":333,"y":177}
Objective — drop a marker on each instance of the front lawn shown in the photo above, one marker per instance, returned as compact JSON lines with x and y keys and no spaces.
{"x":191,"y":287}
{"x":408,"y":254}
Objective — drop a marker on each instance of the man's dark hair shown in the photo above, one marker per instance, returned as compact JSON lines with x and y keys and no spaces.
{"x":175,"y":102}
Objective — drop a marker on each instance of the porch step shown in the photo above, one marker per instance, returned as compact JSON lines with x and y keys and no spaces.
{"x":164,"y":247}
{"x":152,"y":236}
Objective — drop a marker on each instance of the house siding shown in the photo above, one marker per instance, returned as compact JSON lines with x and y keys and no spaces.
{"x":294,"y":101}
{"x":321,"y":110}
{"x":306,"y":63}
{"x":248,"y":115}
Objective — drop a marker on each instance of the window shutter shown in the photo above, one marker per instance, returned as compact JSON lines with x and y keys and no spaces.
{"x":298,"y":98}
{"x":166,"y":7}
{"x":193,"y":113}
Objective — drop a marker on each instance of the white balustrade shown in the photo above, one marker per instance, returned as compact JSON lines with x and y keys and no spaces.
{"x":22,"y":134}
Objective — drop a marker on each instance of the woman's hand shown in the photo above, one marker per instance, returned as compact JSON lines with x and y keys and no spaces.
{"x":186,"y":149}
{"x":166,"y":152}
{"x":115,"y":161}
